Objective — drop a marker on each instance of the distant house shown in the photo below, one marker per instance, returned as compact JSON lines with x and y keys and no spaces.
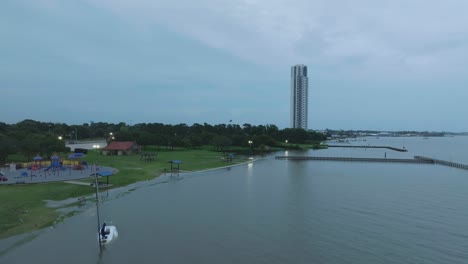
{"x":121,"y":148}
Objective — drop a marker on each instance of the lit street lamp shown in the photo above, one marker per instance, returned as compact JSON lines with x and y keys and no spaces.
{"x":110,"y":138}
{"x":251,"y":149}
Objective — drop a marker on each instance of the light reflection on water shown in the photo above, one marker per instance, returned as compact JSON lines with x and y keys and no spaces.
{"x":279,"y":211}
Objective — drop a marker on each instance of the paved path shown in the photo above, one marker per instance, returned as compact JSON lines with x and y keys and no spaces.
{"x":79,"y":183}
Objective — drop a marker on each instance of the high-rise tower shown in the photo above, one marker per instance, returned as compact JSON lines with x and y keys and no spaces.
{"x":299,"y":96}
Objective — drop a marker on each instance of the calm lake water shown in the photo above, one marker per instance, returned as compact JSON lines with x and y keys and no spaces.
{"x":279,"y":211}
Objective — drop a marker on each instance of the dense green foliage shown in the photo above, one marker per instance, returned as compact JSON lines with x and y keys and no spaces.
{"x":28,"y":138}
{"x":31,"y":137}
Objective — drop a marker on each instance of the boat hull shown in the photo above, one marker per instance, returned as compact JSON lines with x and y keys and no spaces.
{"x":111,"y":234}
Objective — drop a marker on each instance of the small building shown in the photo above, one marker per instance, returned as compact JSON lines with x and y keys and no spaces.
{"x":121,"y":148}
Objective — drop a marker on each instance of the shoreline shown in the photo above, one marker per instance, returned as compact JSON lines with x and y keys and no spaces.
{"x":64,"y":207}
{"x":224,"y":167}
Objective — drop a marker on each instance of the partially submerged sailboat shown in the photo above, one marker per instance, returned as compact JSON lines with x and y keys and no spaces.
{"x":106,"y":233}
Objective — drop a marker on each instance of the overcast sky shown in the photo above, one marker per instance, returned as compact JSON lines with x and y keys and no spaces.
{"x":384,"y":65}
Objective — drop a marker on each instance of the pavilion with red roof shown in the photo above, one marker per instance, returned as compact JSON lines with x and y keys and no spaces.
{"x":121,"y":148}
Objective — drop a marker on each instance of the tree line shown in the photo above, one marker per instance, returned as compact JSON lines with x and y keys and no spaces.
{"x":30,"y":137}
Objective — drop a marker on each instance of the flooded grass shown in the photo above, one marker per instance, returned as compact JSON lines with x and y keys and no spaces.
{"x":34,"y":206}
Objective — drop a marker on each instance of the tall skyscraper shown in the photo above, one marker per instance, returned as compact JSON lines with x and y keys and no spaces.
{"x":299,"y":96}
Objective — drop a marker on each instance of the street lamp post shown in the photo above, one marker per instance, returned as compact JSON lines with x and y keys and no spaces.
{"x":251,"y":149}
{"x":76,"y":135}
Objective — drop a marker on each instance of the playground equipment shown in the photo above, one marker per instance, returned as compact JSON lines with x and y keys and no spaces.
{"x":37,"y":161}
{"x":55,"y":164}
{"x":79,"y":165}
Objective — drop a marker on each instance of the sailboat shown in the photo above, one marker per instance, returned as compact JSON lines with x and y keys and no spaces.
{"x":106,"y":233}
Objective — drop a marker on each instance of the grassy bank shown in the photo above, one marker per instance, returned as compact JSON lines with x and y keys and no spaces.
{"x":24,"y":208}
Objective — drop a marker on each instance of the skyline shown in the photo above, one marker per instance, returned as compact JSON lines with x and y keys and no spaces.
{"x":384,"y":66}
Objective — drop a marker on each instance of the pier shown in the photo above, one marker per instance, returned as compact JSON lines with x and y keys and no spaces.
{"x":364,"y":146}
{"x":416,"y":159}
{"x":443,"y":162}
{"x":355,"y":159}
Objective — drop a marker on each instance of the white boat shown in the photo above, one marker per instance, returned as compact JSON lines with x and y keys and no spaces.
{"x":110,"y":234}
{"x":110,"y":231}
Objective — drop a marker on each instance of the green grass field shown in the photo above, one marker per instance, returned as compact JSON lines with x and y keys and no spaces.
{"x":24,"y":208}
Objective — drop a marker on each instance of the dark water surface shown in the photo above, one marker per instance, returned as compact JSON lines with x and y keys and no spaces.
{"x":279,"y":211}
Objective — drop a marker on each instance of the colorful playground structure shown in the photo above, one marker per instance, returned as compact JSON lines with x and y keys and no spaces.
{"x":52,"y":169}
{"x":55,"y":166}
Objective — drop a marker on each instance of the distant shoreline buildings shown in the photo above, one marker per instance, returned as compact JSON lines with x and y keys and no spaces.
{"x":299,"y":96}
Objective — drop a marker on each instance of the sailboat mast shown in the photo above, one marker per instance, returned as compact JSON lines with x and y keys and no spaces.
{"x":97,"y":204}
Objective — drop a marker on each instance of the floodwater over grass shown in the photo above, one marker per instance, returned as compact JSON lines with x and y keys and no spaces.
{"x":24,"y":207}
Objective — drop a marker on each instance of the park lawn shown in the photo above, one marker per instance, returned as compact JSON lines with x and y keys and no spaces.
{"x":24,"y":208}
{"x":132,"y":169}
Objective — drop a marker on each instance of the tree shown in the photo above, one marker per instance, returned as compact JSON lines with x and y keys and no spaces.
{"x":32,"y":137}
{"x":220,"y":142}
{"x":31,"y":126}
{"x":30,"y":146}
{"x":247,"y":128}
{"x":49,"y":145}
{"x":146,"y":139}
{"x":7,"y":147}
{"x":264,"y":140}
{"x":196,"y":141}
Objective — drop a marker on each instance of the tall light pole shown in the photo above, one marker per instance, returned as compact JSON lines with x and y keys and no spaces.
{"x":110,"y":138}
{"x":76,"y":135}
{"x":251,"y":149}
